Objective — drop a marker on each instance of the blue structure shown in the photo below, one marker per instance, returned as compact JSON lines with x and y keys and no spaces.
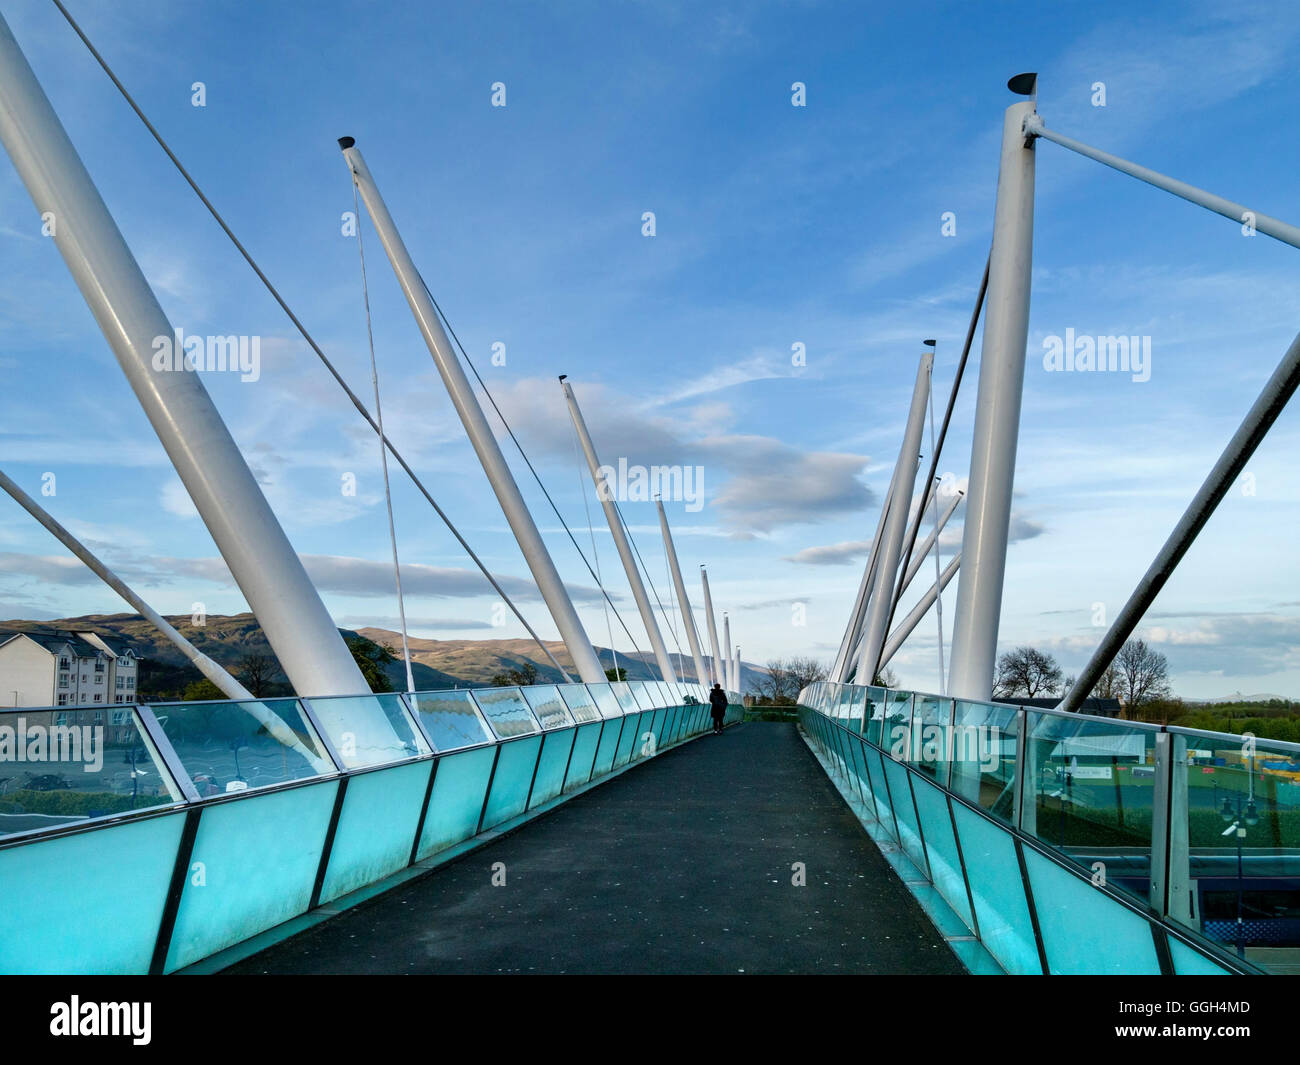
{"x":148,"y":838}
{"x":1043,"y":841}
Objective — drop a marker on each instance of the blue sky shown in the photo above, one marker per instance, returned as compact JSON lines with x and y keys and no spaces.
{"x":775,"y":225}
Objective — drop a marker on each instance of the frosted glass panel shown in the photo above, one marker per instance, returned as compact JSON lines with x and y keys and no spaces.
{"x":369,"y":730}
{"x":581,"y":705}
{"x":547,"y":706}
{"x":451,"y":719}
{"x":506,"y":712}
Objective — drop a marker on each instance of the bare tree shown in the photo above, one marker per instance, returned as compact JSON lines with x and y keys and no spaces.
{"x":1142,"y":675}
{"x":886,"y":678}
{"x":805,"y":670}
{"x":1108,"y":683}
{"x":787,"y":677}
{"x":777,"y":685}
{"x":256,"y":670}
{"x":1028,"y":672}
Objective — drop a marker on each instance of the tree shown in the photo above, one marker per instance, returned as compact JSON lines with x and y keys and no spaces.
{"x":256,"y":671}
{"x":201,"y":690}
{"x":616,"y":674}
{"x":523,"y":676}
{"x":777,"y":685}
{"x":1028,"y":672}
{"x":1108,"y":683}
{"x":1142,"y":675}
{"x":805,"y":671}
{"x":886,"y":678}
{"x":372,"y":660}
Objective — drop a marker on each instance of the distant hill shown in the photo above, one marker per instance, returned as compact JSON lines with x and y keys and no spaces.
{"x":435,"y":664}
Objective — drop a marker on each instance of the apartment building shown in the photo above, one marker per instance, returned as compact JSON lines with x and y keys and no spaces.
{"x":51,"y":667}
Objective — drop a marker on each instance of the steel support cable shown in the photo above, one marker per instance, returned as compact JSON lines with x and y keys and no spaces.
{"x":524,"y":455}
{"x":934,"y":459}
{"x":383,"y":451}
{"x":302,"y":330}
{"x":595,"y":554}
{"x":627,"y":530}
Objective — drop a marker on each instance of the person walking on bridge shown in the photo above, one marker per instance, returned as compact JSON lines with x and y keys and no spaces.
{"x":718,"y":703}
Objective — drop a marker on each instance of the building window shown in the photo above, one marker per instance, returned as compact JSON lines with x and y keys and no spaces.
{"x":98,"y":698}
{"x":99,"y":678}
{"x":130,"y":682}
{"x":63,"y":682}
{"x":63,"y":700}
{"x":99,"y":665}
{"x":121,"y":717}
{"x":64,"y":663}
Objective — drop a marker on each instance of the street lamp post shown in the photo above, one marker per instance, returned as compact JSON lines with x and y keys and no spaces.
{"x":1246,"y":813}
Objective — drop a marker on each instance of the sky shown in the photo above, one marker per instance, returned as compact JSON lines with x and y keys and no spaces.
{"x":767,"y":333}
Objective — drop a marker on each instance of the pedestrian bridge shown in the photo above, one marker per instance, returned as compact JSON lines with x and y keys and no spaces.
{"x":888,"y":832}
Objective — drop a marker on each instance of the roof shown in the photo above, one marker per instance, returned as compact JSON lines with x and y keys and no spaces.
{"x":82,"y":645}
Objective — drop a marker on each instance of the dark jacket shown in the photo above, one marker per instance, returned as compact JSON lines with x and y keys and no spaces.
{"x":718,"y":701}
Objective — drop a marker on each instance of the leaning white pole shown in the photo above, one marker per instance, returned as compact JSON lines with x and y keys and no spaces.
{"x":921,"y":553}
{"x":735,"y":671}
{"x":853,"y":631}
{"x":200,"y":447}
{"x":997,"y":418}
{"x":891,"y":539}
{"x":1277,"y":392}
{"x":476,"y":426}
{"x":607,"y":502}
{"x":688,"y":619}
{"x":726,"y":652}
{"x":904,"y":628}
{"x":716,"y":656}
{"x":210,"y":669}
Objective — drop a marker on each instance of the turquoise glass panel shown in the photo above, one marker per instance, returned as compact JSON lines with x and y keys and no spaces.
{"x":1189,"y":962}
{"x":630,"y":742}
{"x":995,"y":884}
{"x":608,"y":744}
{"x":547,"y":706}
{"x":646,"y":693}
{"x":941,"y":847}
{"x":457,"y":799}
{"x":512,"y":780}
{"x":451,"y":719}
{"x":381,"y":812}
{"x":235,"y":746}
{"x":627,"y":701}
{"x":580,"y":702}
{"x":1091,"y":782}
{"x":506,"y":712}
{"x":659,"y":727}
{"x":89,"y":902}
{"x":1070,"y":911}
{"x":259,"y":856}
{"x":984,"y":756}
{"x":873,"y":713}
{"x":369,"y":730}
{"x":584,"y":753}
{"x":551,"y":766}
{"x":909,"y":833}
{"x":63,"y":766}
{"x":929,"y":747}
{"x":606,"y":701}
